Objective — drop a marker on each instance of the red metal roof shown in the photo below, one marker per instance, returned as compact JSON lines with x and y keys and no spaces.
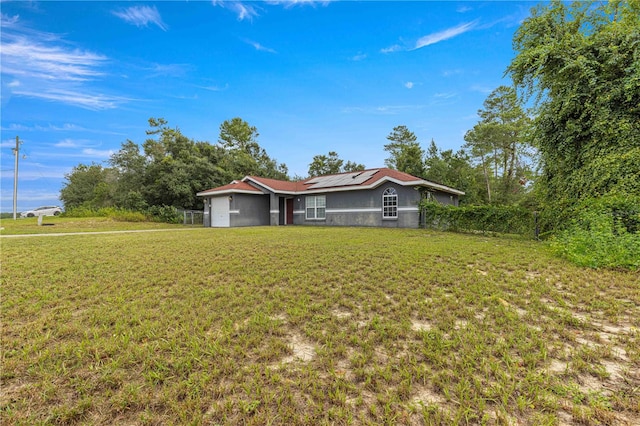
{"x":275,"y":184}
{"x":235,"y":186}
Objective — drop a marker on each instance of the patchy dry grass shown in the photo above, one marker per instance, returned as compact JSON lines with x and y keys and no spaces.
{"x":305,"y":325}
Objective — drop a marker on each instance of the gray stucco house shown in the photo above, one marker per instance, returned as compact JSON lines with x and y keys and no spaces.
{"x":375,"y":197}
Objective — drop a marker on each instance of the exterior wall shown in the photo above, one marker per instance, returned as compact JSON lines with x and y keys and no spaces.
{"x":274,"y":209}
{"x":363,"y":208}
{"x":249,"y":210}
{"x":444,"y":198}
{"x":343,"y":208}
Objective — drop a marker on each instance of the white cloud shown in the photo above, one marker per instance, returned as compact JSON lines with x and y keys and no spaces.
{"x":99,"y":153}
{"x":214,"y":88}
{"x":73,"y":143}
{"x":141,"y":16}
{"x":391,"y":49}
{"x":67,"y":143}
{"x":170,"y":70}
{"x":242,"y":10}
{"x":449,"y":73}
{"x":27,"y":57}
{"x":27,"y":197}
{"x":444,"y":35}
{"x":48,"y":128}
{"x":78,"y":98}
{"x":359,"y":57}
{"x":464,"y":9}
{"x":444,"y":95}
{"x":41,"y":65}
{"x":482,"y":89}
{"x":259,"y":47}
{"x":9,"y":143}
{"x":409,"y":84}
{"x":291,"y":3}
{"x":8,"y":21}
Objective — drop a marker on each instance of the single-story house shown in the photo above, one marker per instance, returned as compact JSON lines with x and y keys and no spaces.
{"x":376,"y":197}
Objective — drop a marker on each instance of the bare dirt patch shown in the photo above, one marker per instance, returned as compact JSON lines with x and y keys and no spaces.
{"x":586,"y":342}
{"x":557,"y":366}
{"x":427,"y":396}
{"x":459,"y":324}
{"x":279,"y":317}
{"x":589,"y":384}
{"x":302,"y":350}
{"x":11,"y":391}
{"x":417,"y":325}
{"x":614,"y":369}
{"x":341,"y":314}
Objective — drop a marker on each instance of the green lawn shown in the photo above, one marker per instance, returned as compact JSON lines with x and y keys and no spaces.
{"x":56,"y":224}
{"x":312,"y":325}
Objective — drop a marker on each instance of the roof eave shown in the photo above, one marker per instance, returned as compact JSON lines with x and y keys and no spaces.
{"x":268,"y":188}
{"x":442,"y":188}
{"x":418,"y":182}
{"x":229,"y":191}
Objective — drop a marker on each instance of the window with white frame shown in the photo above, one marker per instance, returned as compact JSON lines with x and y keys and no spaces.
{"x":390,"y":204}
{"x":316,"y":206}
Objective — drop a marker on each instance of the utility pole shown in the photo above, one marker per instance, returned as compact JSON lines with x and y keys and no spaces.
{"x":16,"y":152}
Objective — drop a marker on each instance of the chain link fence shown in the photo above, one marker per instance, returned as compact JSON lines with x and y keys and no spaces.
{"x":192,"y":217}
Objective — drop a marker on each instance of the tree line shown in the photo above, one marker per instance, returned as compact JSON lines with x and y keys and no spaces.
{"x":169,"y":168}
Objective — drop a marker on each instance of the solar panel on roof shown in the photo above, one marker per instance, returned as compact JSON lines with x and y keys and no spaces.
{"x":345,"y":179}
{"x":364,"y":176}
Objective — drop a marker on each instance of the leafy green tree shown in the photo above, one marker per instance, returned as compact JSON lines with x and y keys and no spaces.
{"x":351,"y":166}
{"x":88,"y":186}
{"x":169,"y":169}
{"x":176,"y":169}
{"x":454,"y":169}
{"x":480,"y":148}
{"x":244,"y":154}
{"x":130,"y":166}
{"x":499,"y":141}
{"x":406,"y":155}
{"x":581,"y":63}
{"x":331,"y":164}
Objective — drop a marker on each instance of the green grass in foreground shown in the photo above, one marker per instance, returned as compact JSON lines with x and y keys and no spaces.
{"x":306,"y":325}
{"x":57,"y":224}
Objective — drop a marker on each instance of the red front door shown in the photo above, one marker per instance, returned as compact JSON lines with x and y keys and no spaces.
{"x":289,"y":208}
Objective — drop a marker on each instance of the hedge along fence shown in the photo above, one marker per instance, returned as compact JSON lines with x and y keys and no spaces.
{"x":499,"y":219}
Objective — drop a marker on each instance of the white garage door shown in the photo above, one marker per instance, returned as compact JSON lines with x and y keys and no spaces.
{"x":220,"y":212}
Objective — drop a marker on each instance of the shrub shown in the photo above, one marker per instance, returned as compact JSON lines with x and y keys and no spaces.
{"x":501,"y":219}
{"x":87,"y":211}
{"x":605,"y":232}
{"x":168,"y":214}
{"x":123,"y":215}
{"x":114,"y":213}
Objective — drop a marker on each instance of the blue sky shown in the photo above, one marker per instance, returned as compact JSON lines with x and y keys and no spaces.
{"x":80,"y":78}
